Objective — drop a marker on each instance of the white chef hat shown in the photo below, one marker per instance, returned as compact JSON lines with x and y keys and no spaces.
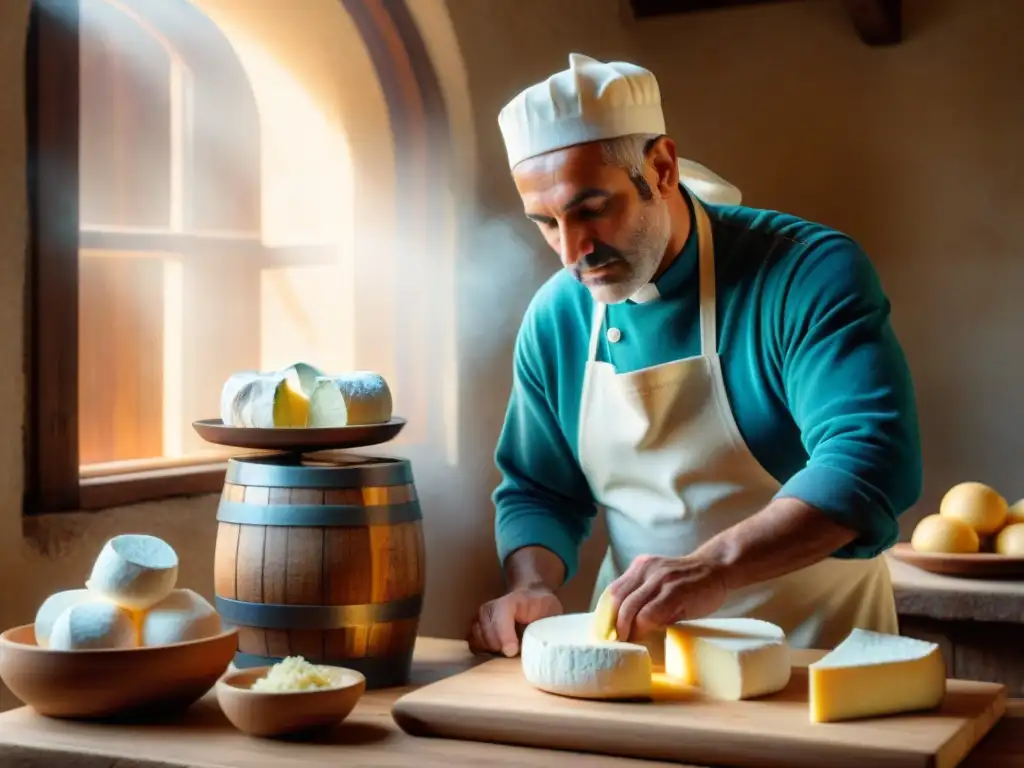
{"x":594,"y":100}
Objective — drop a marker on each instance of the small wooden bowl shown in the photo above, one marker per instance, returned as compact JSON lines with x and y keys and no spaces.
{"x":271,"y":714}
{"x":134,"y":683}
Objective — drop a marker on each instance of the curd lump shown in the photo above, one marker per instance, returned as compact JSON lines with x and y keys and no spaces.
{"x":294,"y":673}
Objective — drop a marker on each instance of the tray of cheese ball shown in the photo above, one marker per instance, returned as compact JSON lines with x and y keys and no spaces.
{"x":302,"y":409}
{"x":715,"y":692}
{"x":974,"y":534}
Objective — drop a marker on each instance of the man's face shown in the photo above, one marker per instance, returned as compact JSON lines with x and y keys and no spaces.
{"x":596,"y":219}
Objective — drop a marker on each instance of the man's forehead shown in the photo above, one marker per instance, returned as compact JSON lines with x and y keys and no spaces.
{"x":562,"y":173}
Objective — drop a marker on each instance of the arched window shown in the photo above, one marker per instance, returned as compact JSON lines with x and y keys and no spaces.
{"x":218,"y":231}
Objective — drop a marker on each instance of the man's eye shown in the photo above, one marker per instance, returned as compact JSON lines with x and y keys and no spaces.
{"x":591,"y":213}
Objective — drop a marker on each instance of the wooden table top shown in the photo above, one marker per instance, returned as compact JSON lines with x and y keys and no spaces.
{"x":203,"y":738}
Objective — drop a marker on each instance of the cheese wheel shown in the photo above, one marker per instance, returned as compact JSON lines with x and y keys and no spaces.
{"x":729,"y":658}
{"x":559,"y":656}
{"x":54,"y":606}
{"x":936,"y":533}
{"x":872,"y":674}
{"x":181,"y":616}
{"x":261,"y":401}
{"x":134,"y":571}
{"x":93,"y":625}
{"x":1016,"y":513}
{"x":1010,"y":541}
{"x":976,"y":504}
{"x":361,"y":397}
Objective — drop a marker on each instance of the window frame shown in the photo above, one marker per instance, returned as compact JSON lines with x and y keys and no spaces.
{"x":54,"y":481}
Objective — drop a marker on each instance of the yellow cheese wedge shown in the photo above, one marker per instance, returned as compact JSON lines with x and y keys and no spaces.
{"x":602,"y":627}
{"x":729,"y":658}
{"x":872,"y":674}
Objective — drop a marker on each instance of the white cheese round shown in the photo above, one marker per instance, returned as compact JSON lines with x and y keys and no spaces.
{"x":92,"y":625}
{"x":729,"y":658}
{"x":181,"y":616}
{"x":134,"y":571}
{"x":360,"y":397}
{"x":54,"y":606}
{"x":559,"y":655}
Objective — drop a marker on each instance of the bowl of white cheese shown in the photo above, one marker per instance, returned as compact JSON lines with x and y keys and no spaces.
{"x":129,"y":644}
{"x":290,"y":698}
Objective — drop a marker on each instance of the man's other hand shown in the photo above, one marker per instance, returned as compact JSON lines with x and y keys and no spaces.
{"x":494,"y":628}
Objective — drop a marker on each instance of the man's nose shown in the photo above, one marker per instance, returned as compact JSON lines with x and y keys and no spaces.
{"x":575,"y":245}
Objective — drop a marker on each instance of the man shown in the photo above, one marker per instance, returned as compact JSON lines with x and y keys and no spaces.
{"x":723,"y":381}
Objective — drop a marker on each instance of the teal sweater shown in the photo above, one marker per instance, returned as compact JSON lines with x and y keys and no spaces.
{"x":816,"y":378}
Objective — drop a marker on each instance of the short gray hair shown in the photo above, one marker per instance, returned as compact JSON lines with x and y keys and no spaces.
{"x":629,"y":152}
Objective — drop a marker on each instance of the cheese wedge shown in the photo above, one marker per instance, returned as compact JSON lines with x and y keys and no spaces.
{"x":93,"y":625}
{"x":559,"y":656}
{"x":54,"y":606}
{"x":361,"y":397}
{"x":871,"y":674}
{"x":134,"y":571}
{"x":181,"y":616}
{"x":602,"y":625}
{"x":268,"y":400}
{"x":729,"y":658}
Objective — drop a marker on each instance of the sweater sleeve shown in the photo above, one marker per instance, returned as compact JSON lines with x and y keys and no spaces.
{"x":542,"y":499}
{"x":849,"y":389}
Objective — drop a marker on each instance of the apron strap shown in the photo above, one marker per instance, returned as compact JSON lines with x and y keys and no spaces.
{"x":706,"y":269}
{"x":595,"y":330}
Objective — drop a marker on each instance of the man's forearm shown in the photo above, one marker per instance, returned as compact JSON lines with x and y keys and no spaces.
{"x":783,"y":537}
{"x":534,"y":567}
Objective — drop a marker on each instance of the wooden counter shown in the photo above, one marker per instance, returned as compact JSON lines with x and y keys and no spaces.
{"x":203,"y":738}
{"x":979,"y":623}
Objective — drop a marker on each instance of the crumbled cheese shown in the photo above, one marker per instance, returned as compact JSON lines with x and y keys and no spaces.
{"x":294,"y":673}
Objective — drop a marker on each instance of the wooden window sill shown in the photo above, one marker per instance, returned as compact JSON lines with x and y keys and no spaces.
{"x":116,"y":490}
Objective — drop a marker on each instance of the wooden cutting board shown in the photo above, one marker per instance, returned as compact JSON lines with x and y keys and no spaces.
{"x":494,"y":703}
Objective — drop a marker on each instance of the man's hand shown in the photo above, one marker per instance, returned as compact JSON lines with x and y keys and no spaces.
{"x":655,"y":592}
{"x":494,"y":629}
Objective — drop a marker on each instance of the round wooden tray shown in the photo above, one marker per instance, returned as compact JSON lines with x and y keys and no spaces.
{"x":298,"y":440}
{"x":983,"y":565}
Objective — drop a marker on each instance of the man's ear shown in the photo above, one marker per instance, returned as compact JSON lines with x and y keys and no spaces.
{"x":664,"y":160}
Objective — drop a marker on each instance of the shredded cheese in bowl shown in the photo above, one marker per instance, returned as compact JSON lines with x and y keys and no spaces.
{"x":294,"y":673}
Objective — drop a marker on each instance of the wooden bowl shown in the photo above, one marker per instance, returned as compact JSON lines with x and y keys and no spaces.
{"x":271,"y":714}
{"x":128,"y":683}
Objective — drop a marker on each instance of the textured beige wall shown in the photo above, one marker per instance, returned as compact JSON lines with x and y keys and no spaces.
{"x":915,"y":150}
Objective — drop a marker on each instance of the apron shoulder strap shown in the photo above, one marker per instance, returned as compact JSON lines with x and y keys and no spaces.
{"x":595,"y":330}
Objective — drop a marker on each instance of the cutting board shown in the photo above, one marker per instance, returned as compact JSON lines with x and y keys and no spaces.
{"x":493,"y":703}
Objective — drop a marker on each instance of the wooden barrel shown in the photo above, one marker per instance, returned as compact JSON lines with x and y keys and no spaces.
{"x":322,"y":559}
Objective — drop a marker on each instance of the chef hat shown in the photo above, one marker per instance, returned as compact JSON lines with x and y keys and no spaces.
{"x":594,"y":100}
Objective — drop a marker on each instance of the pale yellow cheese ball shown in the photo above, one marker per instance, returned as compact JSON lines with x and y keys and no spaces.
{"x":946,"y":535}
{"x":1015,"y":514}
{"x":1010,"y":541}
{"x":976,"y":504}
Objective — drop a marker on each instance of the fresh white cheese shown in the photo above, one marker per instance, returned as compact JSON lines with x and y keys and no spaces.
{"x":262,"y":401}
{"x":560,"y":656}
{"x":54,"y":606}
{"x":181,"y":616}
{"x":361,"y":397}
{"x":729,"y":658}
{"x":134,"y":571}
{"x":872,"y":674}
{"x":92,"y":625}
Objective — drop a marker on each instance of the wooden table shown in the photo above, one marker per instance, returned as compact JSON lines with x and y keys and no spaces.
{"x":203,"y":738}
{"x":979,"y":623}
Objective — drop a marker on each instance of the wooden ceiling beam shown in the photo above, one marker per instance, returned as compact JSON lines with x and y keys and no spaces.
{"x":878,"y":22}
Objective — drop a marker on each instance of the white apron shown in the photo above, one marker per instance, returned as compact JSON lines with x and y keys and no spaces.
{"x":663,"y":456}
